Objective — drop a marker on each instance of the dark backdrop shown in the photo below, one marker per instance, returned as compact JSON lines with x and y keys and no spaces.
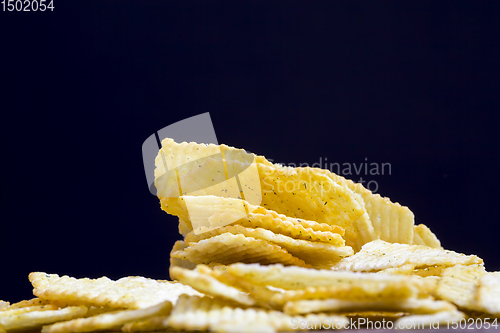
{"x":413,"y":84}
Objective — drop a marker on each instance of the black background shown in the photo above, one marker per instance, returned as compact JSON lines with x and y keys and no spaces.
{"x":414,"y":84}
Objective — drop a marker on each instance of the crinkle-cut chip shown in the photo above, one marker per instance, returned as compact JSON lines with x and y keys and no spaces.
{"x":195,"y":313}
{"x":411,"y":305}
{"x":127,"y":292}
{"x":378,"y":255}
{"x":228,"y":248}
{"x":378,"y":288}
{"x":391,"y":221}
{"x":184,"y":227}
{"x":442,"y":319}
{"x":3,"y":305}
{"x":363,"y":232}
{"x":179,"y":246}
{"x":217,"y":210}
{"x":209,"y":285}
{"x":261,"y":294}
{"x":112,"y":320}
{"x":488,"y":293}
{"x":16,"y":311}
{"x":293,"y":278}
{"x":38,"y":315}
{"x":150,"y":324}
{"x":297,"y":192}
{"x":459,"y":284}
{"x":314,"y":253}
{"x":422,"y":235}
{"x":307,"y":194}
{"x":28,"y":303}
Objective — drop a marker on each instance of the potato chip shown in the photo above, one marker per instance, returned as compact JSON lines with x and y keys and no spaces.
{"x":127,"y":292}
{"x":150,"y":324}
{"x":412,"y":305}
{"x":316,"y":254}
{"x":300,"y":192}
{"x":488,"y":293}
{"x":436,"y":320}
{"x":29,"y":303}
{"x":216,"y":211}
{"x":112,"y":320}
{"x":211,"y":286}
{"x":368,"y":290}
{"x":179,"y":246}
{"x":195,"y":313}
{"x":361,"y":232}
{"x":29,"y":317}
{"x":262,"y":295}
{"x":341,"y":283}
{"x":459,"y":285}
{"x":422,"y":235}
{"x":378,"y":255}
{"x":4,"y":305}
{"x":228,"y":248}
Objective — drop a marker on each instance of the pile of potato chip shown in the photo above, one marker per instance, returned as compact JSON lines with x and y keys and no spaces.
{"x":271,"y":248}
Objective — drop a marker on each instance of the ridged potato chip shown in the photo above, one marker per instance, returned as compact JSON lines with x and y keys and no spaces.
{"x":300,"y":192}
{"x":411,"y":305}
{"x":195,"y":313}
{"x":378,"y":255}
{"x":422,"y":235}
{"x":215,"y":210}
{"x":209,"y":285}
{"x":316,"y":254}
{"x":128,"y":292}
{"x":359,"y":284}
{"x":179,"y":246}
{"x":4,"y":305}
{"x":106,"y":321}
{"x":228,"y":248}
{"x":488,"y":293}
{"x":459,"y":285}
{"x":38,"y":315}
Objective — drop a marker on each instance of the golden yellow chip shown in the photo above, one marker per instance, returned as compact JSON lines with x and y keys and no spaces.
{"x":195,"y":313}
{"x":422,"y":235}
{"x":459,"y":285}
{"x":211,"y":286}
{"x":111,"y":320}
{"x":312,"y":283}
{"x":4,"y":305}
{"x":127,"y":292}
{"x":228,"y":248}
{"x":411,"y":305}
{"x":263,"y":295}
{"x":371,"y":289}
{"x":38,"y":315}
{"x":378,"y":255}
{"x":29,"y":303}
{"x":212,"y":212}
{"x":437,"y":320}
{"x":300,"y":192}
{"x":150,"y":324}
{"x":179,"y":246}
{"x":488,"y":293}
{"x":316,"y":254}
